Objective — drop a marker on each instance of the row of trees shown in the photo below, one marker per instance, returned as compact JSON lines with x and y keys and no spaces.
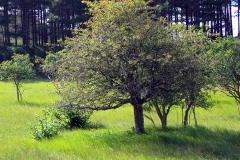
{"x":215,"y":13}
{"x":34,"y":23}
{"x":37,"y":22}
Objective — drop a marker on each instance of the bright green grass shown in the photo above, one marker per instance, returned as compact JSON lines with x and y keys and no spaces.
{"x":217,"y":137}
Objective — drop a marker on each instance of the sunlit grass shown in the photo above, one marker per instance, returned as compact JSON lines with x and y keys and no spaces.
{"x":111,"y":135}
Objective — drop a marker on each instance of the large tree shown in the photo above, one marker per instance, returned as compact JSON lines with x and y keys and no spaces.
{"x":126,"y":55}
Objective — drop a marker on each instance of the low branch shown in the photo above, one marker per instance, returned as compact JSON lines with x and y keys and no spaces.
{"x":121,"y":103}
{"x":150,"y":118}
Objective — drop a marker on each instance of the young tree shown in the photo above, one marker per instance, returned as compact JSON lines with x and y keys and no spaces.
{"x":185,"y":75}
{"x":122,"y":57}
{"x":16,"y":70}
{"x":197,"y":79}
{"x":226,"y":53}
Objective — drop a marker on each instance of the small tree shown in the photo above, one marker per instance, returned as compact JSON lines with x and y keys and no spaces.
{"x":16,"y":70}
{"x":226,"y":55}
{"x":198,"y":79}
{"x":185,"y":74}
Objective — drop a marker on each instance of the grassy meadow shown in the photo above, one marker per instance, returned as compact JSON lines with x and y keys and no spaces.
{"x":111,"y":135}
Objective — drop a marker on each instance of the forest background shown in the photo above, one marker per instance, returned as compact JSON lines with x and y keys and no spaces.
{"x":38,"y":26}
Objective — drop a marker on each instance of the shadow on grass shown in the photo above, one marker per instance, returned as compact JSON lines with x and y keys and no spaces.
{"x":33,"y":80}
{"x":190,"y":142}
{"x":94,"y":125}
{"x":89,"y":126}
{"x":32,"y":104}
{"x":36,"y":80}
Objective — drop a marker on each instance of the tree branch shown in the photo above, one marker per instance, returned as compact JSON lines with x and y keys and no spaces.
{"x":121,"y":103}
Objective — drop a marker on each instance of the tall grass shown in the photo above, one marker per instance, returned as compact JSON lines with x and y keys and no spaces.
{"x":110,"y":135}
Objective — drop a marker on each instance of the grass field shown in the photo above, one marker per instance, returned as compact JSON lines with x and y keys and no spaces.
{"x":216,"y":137}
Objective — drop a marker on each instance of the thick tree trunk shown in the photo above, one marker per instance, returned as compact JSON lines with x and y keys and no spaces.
{"x":162,"y":114}
{"x":138,"y":118}
{"x":164,"y":121}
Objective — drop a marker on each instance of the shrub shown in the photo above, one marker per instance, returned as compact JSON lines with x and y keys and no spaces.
{"x":48,"y":125}
{"x":52,"y":121}
{"x":78,"y":119}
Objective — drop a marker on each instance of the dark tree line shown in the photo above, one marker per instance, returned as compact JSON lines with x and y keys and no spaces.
{"x":236,"y":3}
{"x":216,"y":14}
{"x":38,"y":22}
{"x":33,"y":23}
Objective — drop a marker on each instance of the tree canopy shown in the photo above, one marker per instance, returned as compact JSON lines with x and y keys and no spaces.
{"x":126,"y":55}
{"x":16,"y":70}
{"x":226,"y":55}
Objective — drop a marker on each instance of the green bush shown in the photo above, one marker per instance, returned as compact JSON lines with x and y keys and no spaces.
{"x":48,"y":125}
{"x":78,"y":119}
{"x":52,"y":121}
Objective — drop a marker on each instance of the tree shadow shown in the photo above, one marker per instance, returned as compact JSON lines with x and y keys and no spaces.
{"x":36,"y":80}
{"x":217,"y":143}
{"x":194,"y":142}
{"x":33,"y":104}
{"x":94,"y":125}
{"x":27,"y":81}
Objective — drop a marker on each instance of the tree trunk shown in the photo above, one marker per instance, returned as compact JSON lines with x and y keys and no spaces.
{"x":15,"y":25}
{"x":6,"y":24}
{"x":194,"y":115}
{"x":164,"y":121}
{"x":182,"y":114}
{"x":138,"y":118}
{"x":185,"y":121}
{"x":238,"y":15}
{"x":162,"y":114}
{"x":187,"y":23}
{"x":17,"y":90}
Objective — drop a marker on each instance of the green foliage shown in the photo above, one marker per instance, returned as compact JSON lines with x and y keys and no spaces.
{"x":50,"y":64}
{"x":5,"y":53}
{"x":54,"y":120}
{"x":203,"y":100}
{"x":226,"y":65}
{"x":38,"y":51}
{"x":16,"y":70}
{"x":47,"y":126}
{"x":18,"y":49}
{"x":126,"y":55}
{"x":77,"y":119}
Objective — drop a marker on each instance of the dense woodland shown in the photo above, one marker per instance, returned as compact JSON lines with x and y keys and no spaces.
{"x":33,"y":25}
